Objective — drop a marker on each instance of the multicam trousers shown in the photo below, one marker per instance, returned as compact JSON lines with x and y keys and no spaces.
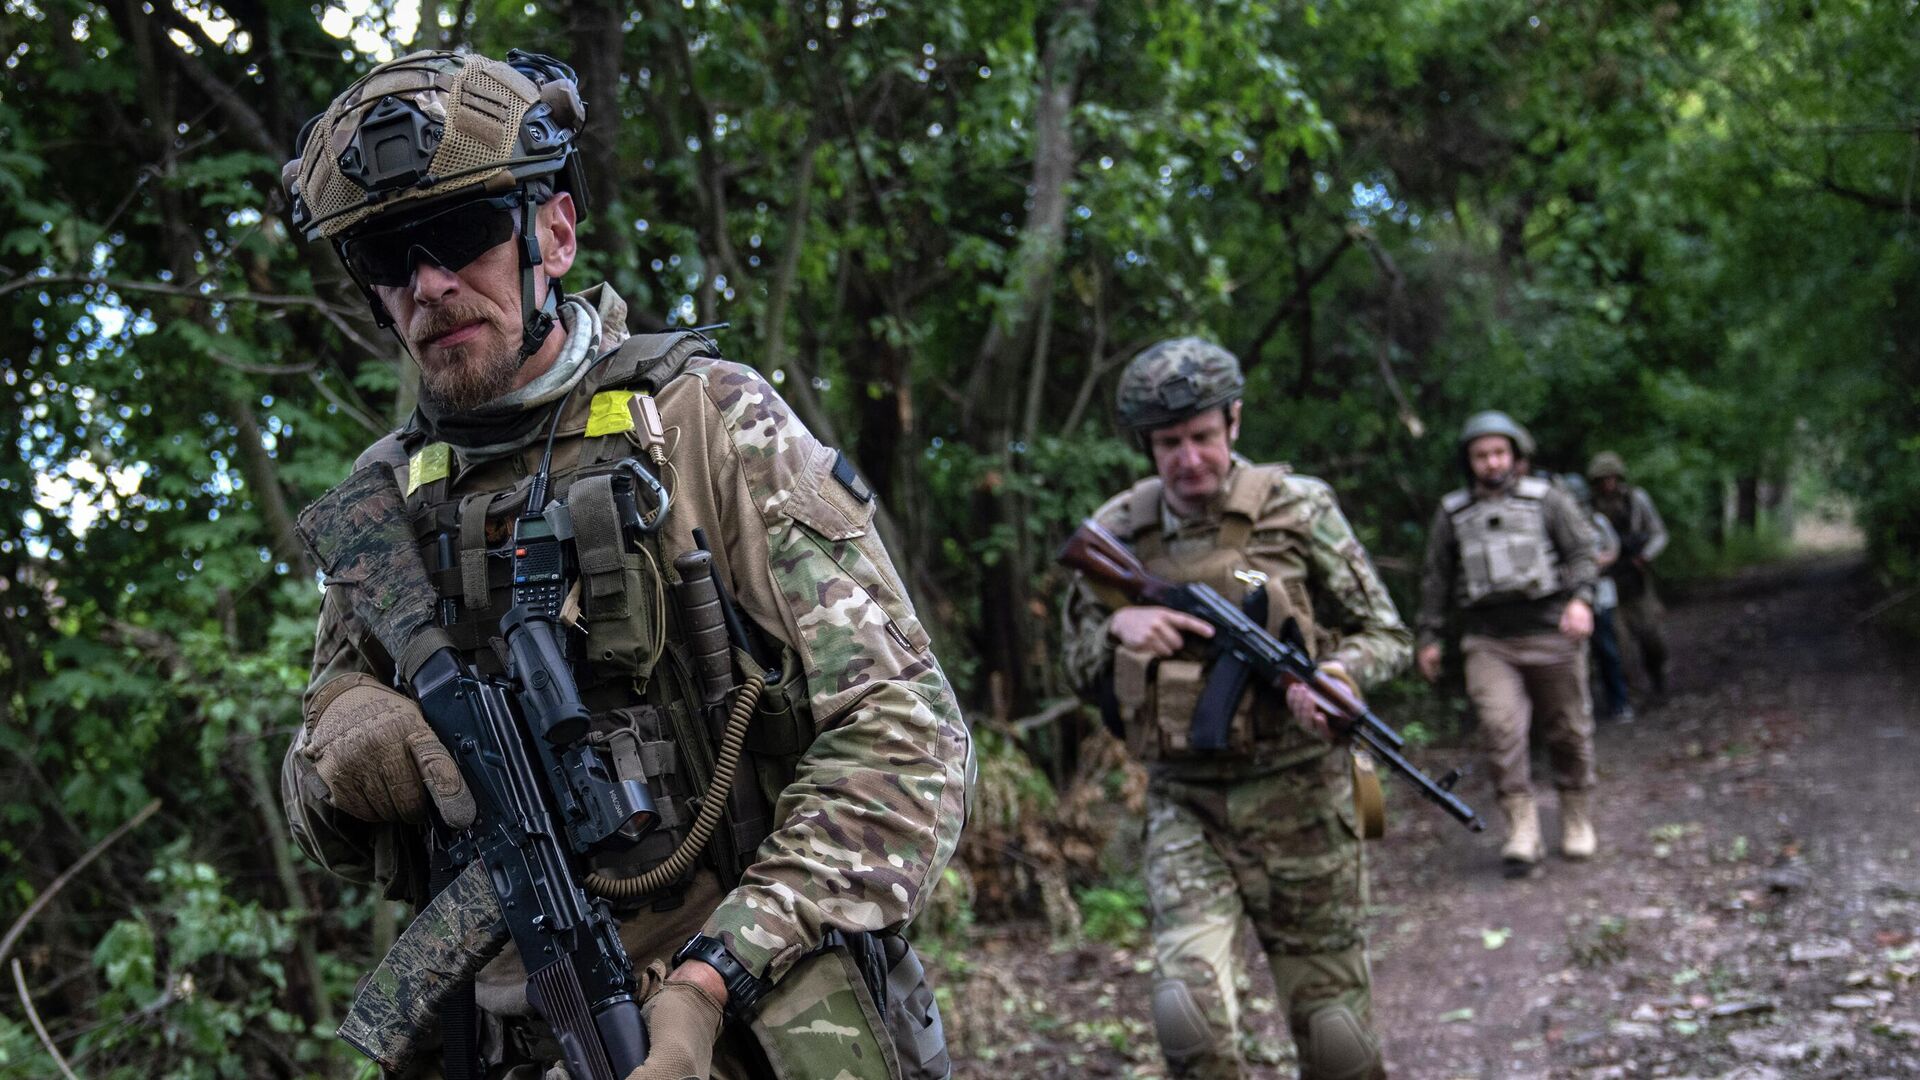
{"x":1280,"y":852}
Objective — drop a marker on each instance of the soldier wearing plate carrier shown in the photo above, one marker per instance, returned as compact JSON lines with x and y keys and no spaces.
{"x":450,"y":188}
{"x":1643,"y":536}
{"x":1512,"y":557}
{"x":1265,"y":828}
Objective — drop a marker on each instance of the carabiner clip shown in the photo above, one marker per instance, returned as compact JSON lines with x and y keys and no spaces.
{"x":647,"y":521}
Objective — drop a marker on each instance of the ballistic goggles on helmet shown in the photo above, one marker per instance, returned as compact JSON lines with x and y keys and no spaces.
{"x":449,"y":238}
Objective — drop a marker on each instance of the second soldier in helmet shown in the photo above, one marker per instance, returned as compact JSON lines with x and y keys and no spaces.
{"x":1512,"y":559}
{"x":1266,"y":829}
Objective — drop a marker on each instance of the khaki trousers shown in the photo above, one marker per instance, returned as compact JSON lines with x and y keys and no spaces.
{"x":1511,"y":680}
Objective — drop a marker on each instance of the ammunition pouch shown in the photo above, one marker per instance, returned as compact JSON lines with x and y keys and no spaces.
{"x":622,"y":594}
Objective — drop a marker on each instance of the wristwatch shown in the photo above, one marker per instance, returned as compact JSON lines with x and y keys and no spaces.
{"x":744,"y":988}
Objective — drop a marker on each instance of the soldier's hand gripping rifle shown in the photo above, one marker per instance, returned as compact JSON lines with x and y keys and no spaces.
{"x":543,"y":798}
{"x":1277,"y":663}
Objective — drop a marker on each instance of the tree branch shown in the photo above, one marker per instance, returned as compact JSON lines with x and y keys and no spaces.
{"x":1383,"y":355}
{"x":1302,"y":294}
{"x":52,"y":890}
{"x":40,"y":1029}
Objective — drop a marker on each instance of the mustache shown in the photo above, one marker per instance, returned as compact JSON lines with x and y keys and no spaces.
{"x":436,"y":321}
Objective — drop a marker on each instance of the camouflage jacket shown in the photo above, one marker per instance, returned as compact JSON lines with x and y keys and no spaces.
{"x":875,"y":808}
{"x":1300,"y":525}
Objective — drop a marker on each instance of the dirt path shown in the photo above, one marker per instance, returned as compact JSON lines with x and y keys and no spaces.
{"x":1754,"y":913}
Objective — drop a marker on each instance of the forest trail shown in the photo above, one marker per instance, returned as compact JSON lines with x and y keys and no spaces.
{"x":1753,"y":913}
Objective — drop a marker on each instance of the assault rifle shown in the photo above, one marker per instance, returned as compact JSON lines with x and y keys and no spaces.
{"x":1276,"y":662}
{"x":544,"y":797}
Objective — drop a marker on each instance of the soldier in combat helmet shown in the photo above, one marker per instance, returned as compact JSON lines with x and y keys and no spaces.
{"x":450,"y":188}
{"x":1512,"y":557}
{"x":1264,"y":830}
{"x":1643,"y":536}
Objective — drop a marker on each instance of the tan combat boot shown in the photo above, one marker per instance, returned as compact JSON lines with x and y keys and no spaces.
{"x":1576,"y":826}
{"x":1522,"y":850}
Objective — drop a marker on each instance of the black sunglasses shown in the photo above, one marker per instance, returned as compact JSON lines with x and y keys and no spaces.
{"x":449,"y":239}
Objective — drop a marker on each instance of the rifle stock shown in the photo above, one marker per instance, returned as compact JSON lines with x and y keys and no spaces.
{"x":1279,"y":662}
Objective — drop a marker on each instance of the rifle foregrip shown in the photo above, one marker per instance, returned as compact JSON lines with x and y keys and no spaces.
{"x":397,"y":1010}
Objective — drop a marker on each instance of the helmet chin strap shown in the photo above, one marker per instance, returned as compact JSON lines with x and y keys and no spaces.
{"x":536,"y":322}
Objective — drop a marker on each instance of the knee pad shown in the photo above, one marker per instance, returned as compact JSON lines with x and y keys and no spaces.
{"x":1338,"y":1046}
{"x":1179,"y":1022}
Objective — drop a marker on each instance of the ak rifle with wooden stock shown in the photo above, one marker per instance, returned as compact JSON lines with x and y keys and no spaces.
{"x":1277,"y":662}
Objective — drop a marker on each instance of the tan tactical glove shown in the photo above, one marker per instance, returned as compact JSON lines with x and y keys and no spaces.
{"x":379,"y":759}
{"x":683,"y":1023}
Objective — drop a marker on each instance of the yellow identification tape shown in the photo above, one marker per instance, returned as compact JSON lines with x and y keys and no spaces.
{"x":433,"y":462}
{"x":609,"y":414}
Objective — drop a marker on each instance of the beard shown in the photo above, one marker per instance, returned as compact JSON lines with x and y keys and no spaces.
{"x":463,"y":377}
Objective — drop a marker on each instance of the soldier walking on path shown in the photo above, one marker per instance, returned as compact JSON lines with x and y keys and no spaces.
{"x":1606,"y":601}
{"x":1512,"y":558}
{"x":1643,"y":536}
{"x":1264,"y":829}
{"x":449,"y":185}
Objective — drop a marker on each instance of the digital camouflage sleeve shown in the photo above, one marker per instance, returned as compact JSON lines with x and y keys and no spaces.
{"x":875,"y":809}
{"x":1349,"y":599}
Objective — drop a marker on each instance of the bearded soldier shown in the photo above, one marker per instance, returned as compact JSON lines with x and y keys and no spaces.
{"x":1643,"y":536}
{"x":1265,"y":828}
{"x":450,"y":187}
{"x":1512,"y":557}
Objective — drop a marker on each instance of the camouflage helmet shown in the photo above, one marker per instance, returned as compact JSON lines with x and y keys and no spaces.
{"x":1606,"y":463}
{"x":1494,"y":422}
{"x":1174,"y":380}
{"x":433,"y":126}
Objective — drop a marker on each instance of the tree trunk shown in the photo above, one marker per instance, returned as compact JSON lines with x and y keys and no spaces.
{"x":1746,"y":504}
{"x":1006,"y":630}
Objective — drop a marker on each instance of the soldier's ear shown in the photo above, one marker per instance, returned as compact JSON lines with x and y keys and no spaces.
{"x":1233,"y":421}
{"x":555,"y":220}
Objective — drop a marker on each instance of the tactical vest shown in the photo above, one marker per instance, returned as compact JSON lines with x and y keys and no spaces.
{"x":1505,"y":552}
{"x":1158,"y":698}
{"x":638,"y":677}
{"x":1626,"y":577}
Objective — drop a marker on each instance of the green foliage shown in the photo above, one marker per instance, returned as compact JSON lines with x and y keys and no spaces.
{"x":200,"y":974}
{"x":1115,"y":913}
{"x":1682,"y":231}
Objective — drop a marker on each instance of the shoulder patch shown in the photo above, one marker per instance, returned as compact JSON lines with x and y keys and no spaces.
{"x":431,"y":462}
{"x":850,"y":477}
{"x":609,"y":413}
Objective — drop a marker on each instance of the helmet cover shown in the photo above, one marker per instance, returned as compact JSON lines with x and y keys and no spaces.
{"x":1174,"y":380}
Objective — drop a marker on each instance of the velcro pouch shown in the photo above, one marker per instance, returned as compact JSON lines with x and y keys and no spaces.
{"x":619,"y":589}
{"x":821,"y":1019}
{"x":1132,"y":695}
{"x":1177,"y":686}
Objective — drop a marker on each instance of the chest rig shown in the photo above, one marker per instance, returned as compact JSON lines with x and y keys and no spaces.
{"x":1506,"y":554}
{"x":1161,"y":700}
{"x":655,"y":681}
